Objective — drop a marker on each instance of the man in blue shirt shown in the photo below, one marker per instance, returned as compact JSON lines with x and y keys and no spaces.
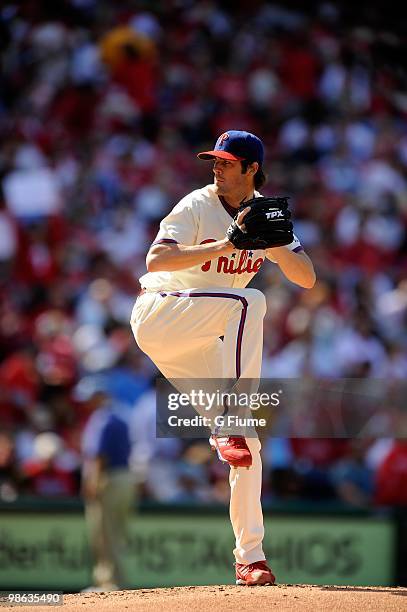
{"x":108,"y":486}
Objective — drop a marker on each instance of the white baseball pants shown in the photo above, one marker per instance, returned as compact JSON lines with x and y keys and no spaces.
{"x":180,"y":332}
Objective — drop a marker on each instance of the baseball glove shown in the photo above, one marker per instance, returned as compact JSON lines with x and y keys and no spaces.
{"x":266,"y":225}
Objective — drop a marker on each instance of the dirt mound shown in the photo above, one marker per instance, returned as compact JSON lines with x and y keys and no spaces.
{"x":227,"y":598}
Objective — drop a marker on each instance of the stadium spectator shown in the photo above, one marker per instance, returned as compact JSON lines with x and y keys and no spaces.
{"x":10,"y":476}
{"x":46,"y":474}
{"x":391,"y":477}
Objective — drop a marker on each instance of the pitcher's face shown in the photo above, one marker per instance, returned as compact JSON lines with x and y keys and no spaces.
{"x":229,"y":179}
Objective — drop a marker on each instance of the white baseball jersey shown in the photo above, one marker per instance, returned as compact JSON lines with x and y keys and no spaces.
{"x":201,"y":217}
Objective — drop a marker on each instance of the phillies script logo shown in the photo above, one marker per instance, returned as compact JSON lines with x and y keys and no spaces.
{"x":222,"y":139}
{"x":237,"y":263}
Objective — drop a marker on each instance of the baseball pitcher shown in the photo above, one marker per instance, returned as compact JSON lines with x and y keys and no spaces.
{"x":196,"y":318}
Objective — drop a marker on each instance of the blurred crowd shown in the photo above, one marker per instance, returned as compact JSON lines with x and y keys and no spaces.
{"x":102,"y":108}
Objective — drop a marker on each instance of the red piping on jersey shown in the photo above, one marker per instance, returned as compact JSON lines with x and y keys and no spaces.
{"x":233,"y":296}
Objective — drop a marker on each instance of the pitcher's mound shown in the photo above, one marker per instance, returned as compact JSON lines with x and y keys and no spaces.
{"x":227,"y":598}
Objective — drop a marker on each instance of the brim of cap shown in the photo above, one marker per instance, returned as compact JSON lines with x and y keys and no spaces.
{"x":221,"y":154}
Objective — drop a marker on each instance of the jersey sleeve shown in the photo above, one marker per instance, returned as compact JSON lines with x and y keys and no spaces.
{"x":295,"y":246}
{"x":180,"y":226}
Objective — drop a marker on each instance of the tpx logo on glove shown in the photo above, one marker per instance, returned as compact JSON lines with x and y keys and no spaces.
{"x":274,"y":213}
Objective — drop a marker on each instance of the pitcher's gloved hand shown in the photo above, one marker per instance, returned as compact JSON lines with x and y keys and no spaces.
{"x":267,"y":224}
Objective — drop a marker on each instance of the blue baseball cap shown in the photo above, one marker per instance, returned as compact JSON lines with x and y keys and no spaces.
{"x":236,"y":145}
